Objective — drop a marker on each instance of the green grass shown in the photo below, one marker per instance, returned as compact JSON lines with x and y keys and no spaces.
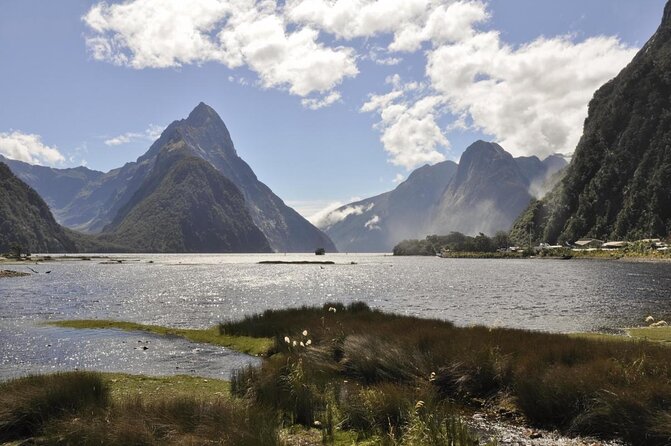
{"x":258,"y":346}
{"x":654,"y":334}
{"x":123,"y":386}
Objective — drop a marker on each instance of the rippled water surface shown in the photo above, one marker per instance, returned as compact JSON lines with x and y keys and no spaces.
{"x":201,"y":290}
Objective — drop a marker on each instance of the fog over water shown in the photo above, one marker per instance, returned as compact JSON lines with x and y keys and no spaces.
{"x":198,"y":291}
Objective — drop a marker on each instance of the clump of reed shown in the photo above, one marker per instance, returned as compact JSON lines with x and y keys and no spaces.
{"x":75,"y":408}
{"x":171,"y":421}
{"x":607,"y":388}
{"x":28,"y":404}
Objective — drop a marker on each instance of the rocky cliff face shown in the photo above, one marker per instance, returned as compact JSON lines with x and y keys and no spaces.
{"x":378,"y":223}
{"x":618,"y":185}
{"x":483,"y":193}
{"x":486,"y":194}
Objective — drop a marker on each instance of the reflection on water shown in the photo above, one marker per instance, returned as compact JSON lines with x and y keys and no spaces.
{"x":201,"y":290}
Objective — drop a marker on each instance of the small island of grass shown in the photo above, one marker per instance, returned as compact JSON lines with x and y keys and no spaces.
{"x":257,"y":346}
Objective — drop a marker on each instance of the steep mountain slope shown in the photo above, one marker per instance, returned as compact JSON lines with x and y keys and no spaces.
{"x":618,"y":185}
{"x":378,"y":223}
{"x":206,"y":136}
{"x":486,"y":194}
{"x":185,"y":205}
{"x":25,"y":218}
{"x":58,"y":187}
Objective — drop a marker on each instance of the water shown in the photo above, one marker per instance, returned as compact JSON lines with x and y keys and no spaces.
{"x":200,"y":290}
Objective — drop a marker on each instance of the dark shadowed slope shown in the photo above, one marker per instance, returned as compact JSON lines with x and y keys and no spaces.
{"x":618,"y":185}
{"x":185,"y":205}
{"x":205,"y":135}
{"x":25,"y":219}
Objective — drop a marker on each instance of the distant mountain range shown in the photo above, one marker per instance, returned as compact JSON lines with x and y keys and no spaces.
{"x":618,"y":185}
{"x":485,"y":192}
{"x":217,"y":203}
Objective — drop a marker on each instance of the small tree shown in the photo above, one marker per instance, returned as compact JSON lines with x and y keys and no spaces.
{"x":501,"y":240}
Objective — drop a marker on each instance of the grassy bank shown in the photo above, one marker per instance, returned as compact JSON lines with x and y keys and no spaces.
{"x":368,"y":371}
{"x":258,"y":346}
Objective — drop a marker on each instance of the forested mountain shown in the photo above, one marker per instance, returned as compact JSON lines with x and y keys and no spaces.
{"x":185,"y":205}
{"x":58,"y":187}
{"x":25,"y":219}
{"x":618,"y":185}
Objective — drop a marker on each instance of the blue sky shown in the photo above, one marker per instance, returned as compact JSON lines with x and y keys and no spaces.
{"x":84,"y":82}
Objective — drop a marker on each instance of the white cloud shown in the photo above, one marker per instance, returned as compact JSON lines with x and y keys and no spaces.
{"x":534,"y":98}
{"x":398,"y":179}
{"x":315,"y":104}
{"x":372,"y":224}
{"x":410,"y":132}
{"x":150,"y":134}
{"x":171,"y":33}
{"x":29,"y":148}
{"x":336,"y":212}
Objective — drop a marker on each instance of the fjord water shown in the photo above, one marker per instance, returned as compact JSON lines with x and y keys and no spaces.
{"x":197,"y":291}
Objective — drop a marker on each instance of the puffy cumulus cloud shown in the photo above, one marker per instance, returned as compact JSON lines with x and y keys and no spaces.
{"x":150,"y":134}
{"x":155,"y":33}
{"x":252,"y":33}
{"x":410,"y":22}
{"x":446,"y":23}
{"x":29,"y":148}
{"x":533,"y":98}
{"x":349,"y":19}
{"x":410,"y":132}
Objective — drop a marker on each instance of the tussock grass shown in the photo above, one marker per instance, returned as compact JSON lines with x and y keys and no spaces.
{"x":27,"y":404}
{"x":77,"y":408}
{"x":251,"y":345}
{"x":577,"y":385}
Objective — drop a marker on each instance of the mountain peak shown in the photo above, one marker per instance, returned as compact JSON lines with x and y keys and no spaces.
{"x":201,"y":115}
{"x":481,"y":146}
{"x":666,"y":20}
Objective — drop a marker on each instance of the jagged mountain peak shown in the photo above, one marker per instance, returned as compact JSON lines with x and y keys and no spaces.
{"x":201,"y":115}
{"x":482,"y":148}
